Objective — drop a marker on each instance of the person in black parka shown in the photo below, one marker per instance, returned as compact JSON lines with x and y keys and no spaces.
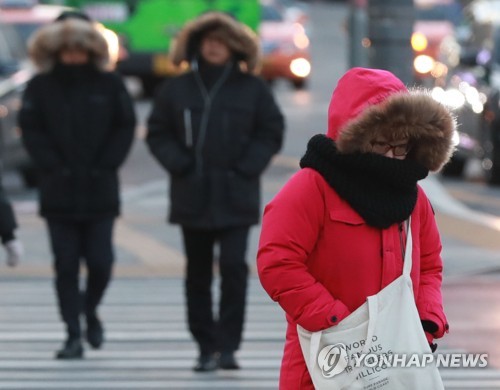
{"x":77,"y":122}
{"x":215,"y":130}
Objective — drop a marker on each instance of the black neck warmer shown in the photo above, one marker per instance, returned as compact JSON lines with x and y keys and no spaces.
{"x":74,"y":73}
{"x":210,"y":73}
{"x":382,"y":190}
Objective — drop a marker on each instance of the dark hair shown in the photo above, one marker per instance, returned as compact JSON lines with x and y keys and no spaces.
{"x":73,"y":14}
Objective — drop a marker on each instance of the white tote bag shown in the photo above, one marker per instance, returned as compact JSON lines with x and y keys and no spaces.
{"x":381,"y":345}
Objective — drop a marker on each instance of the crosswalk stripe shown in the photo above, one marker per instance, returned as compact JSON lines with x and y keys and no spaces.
{"x":148,"y":345}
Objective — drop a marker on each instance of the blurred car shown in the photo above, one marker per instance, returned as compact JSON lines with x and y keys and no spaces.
{"x":14,"y":73}
{"x":292,"y":10}
{"x":434,"y":39}
{"x":26,"y":16}
{"x":440,"y":31}
{"x":487,"y":71}
{"x":285,"y":47}
{"x":472,"y":90}
{"x":465,"y":95}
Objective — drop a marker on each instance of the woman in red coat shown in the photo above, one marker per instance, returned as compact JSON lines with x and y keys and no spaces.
{"x":335,"y":233}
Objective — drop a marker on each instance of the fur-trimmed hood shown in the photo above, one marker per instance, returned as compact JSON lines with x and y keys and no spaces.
{"x":240,"y":38}
{"x":369,"y":102}
{"x":45,"y":44}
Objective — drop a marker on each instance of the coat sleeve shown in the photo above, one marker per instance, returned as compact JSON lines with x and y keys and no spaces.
{"x":267,"y":137}
{"x":291,"y":226}
{"x":430,"y":300}
{"x":161,"y":138}
{"x":121,"y":136}
{"x":42,"y":150}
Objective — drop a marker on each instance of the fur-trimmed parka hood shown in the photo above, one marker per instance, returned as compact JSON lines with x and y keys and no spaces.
{"x":240,"y":39}
{"x":370,"y":102}
{"x":46,"y":43}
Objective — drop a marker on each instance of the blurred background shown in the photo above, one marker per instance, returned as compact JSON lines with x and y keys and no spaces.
{"x":451,"y":47}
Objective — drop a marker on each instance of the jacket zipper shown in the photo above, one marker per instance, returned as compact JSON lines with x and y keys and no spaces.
{"x":402,"y":241}
{"x":188,"y":127}
{"x":208,"y":97}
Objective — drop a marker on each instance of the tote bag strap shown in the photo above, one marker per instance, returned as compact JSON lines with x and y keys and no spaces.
{"x":408,"y":251}
{"x":372,"y":321}
{"x":373,"y":300}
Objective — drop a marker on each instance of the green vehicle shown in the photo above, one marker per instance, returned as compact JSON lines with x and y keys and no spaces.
{"x":146,"y":29}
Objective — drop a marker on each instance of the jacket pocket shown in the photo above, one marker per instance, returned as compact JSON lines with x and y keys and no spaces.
{"x":103,"y":192}
{"x":57,"y":192}
{"x":187,"y":125}
{"x":240,"y":117}
{"x":237,"y":126}
{"x":188,"y":194}
{"x":188,"y":128}
{"x":243,"y":193}
{"x":346,"y":216}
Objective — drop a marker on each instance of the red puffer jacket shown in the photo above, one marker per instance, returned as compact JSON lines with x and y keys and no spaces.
{"x":319,"y":260}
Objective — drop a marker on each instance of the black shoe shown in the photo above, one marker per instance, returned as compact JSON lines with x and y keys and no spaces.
{"x":227,"y":361}
{"x":206,"y":363}
{"x":95,"y":332}
{"x":72,"y":350}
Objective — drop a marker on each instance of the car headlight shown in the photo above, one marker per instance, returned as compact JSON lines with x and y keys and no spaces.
{"x":452,"y":98}
{"x":301,"y":41}
{"x":423,"y":64}
{"x":300,"y":67}
{"x":418,"y":41}
{"x":473,"y":97}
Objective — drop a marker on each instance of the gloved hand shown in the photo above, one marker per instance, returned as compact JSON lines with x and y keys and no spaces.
{"x":15,"y":251}
{"x":429,"y":328}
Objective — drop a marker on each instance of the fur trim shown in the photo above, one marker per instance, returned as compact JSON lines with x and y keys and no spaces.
{"x":240,"y":38}
{"x":45,"y":44}
{"x":415,"y":115}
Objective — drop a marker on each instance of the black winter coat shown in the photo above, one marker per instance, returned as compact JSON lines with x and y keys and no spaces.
{"x":78,"y":131}
{"x":215,"y":144}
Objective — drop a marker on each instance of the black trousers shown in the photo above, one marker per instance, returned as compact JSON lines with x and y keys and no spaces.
{"x":71,"y":243}
{"x":223,"y":331}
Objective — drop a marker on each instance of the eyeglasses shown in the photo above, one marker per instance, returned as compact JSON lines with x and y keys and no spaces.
{"x":398,"y":150}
